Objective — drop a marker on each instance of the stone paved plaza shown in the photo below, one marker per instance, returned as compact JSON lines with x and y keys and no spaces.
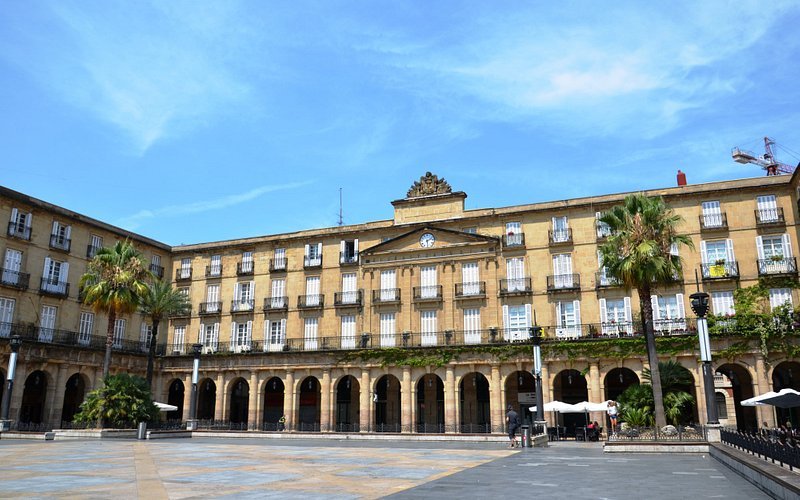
{"x":266,"y":468}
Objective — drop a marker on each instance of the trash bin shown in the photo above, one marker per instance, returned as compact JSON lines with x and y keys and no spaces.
{"x":142,"y":433}
{"x":526,"y":436}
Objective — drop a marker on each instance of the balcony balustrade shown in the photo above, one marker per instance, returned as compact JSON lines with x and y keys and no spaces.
{"x":245,"y":268}
{"x":91,"y":251}
{"x":207,"y":308}
{"x":312,"y":301}
{"x":603,"y":280}
{"x":21,"y":231}
{"x":14,"y":279}
{"x":770,"y":217}
{"x":183,"y":273}
{"x":564,"y":282}
{"x":515,"y":286}
{"x":513,"y":240}
{"x":242,"y":305}
{"x":277,"y":265}
{"x":427,"y":293}
{"x":348,"y":299}
{"x":276,"y":304}
{"x":474,"y":290}
{"x":157,"y":270}
{"x":560,"y":237}
{"x":347,"y":259}
{"x":54,"y":288}
{"x":777,"y":266}
{"x":720,"y":270}
{"x":714,"y":222}
{"x":58,"y":242}
{"x":214,"y":271}
{"x":386,"y":296}
{"x":312,"y":262}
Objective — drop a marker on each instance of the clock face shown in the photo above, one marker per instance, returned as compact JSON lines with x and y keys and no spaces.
{"x":426,"y":240}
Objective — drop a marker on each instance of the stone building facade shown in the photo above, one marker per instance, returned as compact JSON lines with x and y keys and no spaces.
{"x":419,"y":323}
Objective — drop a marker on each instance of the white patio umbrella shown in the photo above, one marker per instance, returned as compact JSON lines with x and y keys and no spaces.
{"x":165,"y":406}
{"x":785,"y":398}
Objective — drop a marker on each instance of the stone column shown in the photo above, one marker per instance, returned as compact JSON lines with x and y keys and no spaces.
{"x":252,"y":403}
{"x":220,"y":411}
{"x":55,"y":401}
{"x":595,"y":393}
{"x":406,"y":406}
{"x":288,"y":400}
{"x":20,"y":376}
{"x":364,"y":401}
{"x":413,"y":408}
{"x":449,"y":400}
{"x":325,"y":401}
{"x":187,"y":394}
{"x":547,"y":393}
{"x":765,"y":413}
{"x":495,"y":400}
{"x":699,"y":390}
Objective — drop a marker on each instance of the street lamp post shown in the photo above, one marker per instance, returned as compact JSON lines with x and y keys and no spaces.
{"x":191,"y":423}
{"x":699,"y":302}
{"x":5,"y":423}
{"x":536,"y":334}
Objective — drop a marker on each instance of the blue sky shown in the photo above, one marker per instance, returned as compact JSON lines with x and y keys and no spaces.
{"x":198,"y":121}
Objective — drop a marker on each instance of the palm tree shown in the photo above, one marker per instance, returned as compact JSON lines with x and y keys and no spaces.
{"x":674,"y":377}
{"x":159,"y":302}
{"x":114,"y":281}
{"x":638,"y":253}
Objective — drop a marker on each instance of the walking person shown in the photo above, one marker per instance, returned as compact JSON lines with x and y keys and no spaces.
{"x":612,"y":411}
{"x":282,"y":423}
{"x":513,"y":423}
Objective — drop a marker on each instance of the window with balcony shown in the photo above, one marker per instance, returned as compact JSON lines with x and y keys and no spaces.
{"x":54,"y":277}
{"x":243,"y":296}
{"x":60,"y":236}
{"x":514,"y":236}
{"x":388,"y":328}
{"x":767,"y":210}
{"x":717,"y":259}
{"x":278,"y":262}
{"x":348,"y":252}
{"x":722,"y":303}
{"x":472,"y":326}
{"x":85,"y":328}
{"x":178,"y":339}
{"x":603,"y":229}
{"x":349,"y":294}
{"x":313,"y":255}
{"x":712,"y":216}
{"x":310,"y":333}
{"x":156,"y":267}
{"x":184,"y":272}
{"x":775,"y":255}
{"x":312,"y":298}
{"x":20,"y":224}
{"x":563,"y":278}
{"x":560,"y":232}
{"x":246,"y":265}
{"x":616,"y":317}
{"x":275,"y":331}
{"x":145,"y":332}
{"x":119,"y":332}
{"x":669,"y":314}
{"x":12,"y":274}
{"x":6,"y":316}
{"x":47,"y":323}
{"x":779,"y":297}
{"x":471,"y":280}
{"x":603,"y":278}
{"x":429,"y":288}
{"x":516,"y":321}
{"x":568,"y":319}
{"x":214,"y":270}
{"x":388,"y":291}
{"x":348,"y":332}
{"x":428,"y":327}
{"x":277,"y":299}
{"x":516,"y":280}
{"x":241,"y":334}
{"x":95,"y":244}
{"x":212,"y":305}
{"x":209,"y":337}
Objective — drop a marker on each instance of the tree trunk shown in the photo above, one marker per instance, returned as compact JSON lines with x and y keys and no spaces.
{"x":652,"y":356}
{"x":151,"y":354}
{"x":112,"y":319}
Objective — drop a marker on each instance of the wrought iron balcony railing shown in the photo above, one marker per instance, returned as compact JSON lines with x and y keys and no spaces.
{"x":210,"y":308}
{"x":14,"y":279}
{"x":276,"y":304}
{"x":346,"y":259}
{"x":386,"y":296}
{"x":348,"y":299}
{"x":157,"y":270}
{"x":54,"y":336}
{"x":312,"y":301}
{"x":58,"y":242}
{"x":777,"y":266}
{"x":603,"y":231}
{"x":183,"y":273}
{"x":603,"y":280}
{"x":245,"y":268}
{"x":427,"y":293}
{"x":243,"y":305}
{"x":214,"y":271}
{"x":514,"y":240}
{"x":312,"y":262}
{"x":277,"y":265}
{"x":515,"y":286}
{"x":21,"y":231}
{"x":714,"y":222}
{"x":54,"y":287}
{"x":770,"y":217}
{"x":728,"y":269}
{"x":91,"y":251}
{"x":560,"y":237}
{"x":563,"y":282}
{"x":472,"y":290}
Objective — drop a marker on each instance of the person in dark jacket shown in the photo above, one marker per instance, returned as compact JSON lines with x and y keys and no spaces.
{"x":512,"y":421}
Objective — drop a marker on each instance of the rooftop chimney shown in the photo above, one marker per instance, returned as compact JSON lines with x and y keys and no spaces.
{"x":681,"y":178}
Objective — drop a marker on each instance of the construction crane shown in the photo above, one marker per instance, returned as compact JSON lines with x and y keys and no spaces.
{"x":767,"y":161}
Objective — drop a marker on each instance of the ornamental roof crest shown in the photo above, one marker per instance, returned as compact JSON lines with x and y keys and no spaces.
{"x":427,"y":185}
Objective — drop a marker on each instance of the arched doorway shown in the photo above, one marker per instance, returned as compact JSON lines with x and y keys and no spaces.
{"x":677,"y":378}
{"x":175,"y":397}
{"x":347,"y":404}
{"x":430,"y":404}
{"x":309,"y":408}
{"x":741,"y":384}
{"x":206,"y":399}
{"x":273,"y":403}
{"x":474,"y":397}
{"x":521,"y":394}
{"x":787,"y":376}
{"x":387,"y":404}
{"x":239,"y":403}
{"x":74,"y":392}
{"x":617,"y":380}
{"x":33,"y":398}
{"x":569,"y":386}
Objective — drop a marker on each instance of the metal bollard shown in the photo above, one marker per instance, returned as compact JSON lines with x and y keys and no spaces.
{"x":526,"y":436}
{"x":142,"y":432}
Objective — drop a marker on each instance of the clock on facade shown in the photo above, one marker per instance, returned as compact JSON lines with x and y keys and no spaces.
{"x":427,"y":240}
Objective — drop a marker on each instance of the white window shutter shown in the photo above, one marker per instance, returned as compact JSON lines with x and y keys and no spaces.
{"x":505,"y":317}
{"x":555,"y":224}
{"x":68,"y":232}
{"x":64,"y":273}
{"x":654,"y":303}
{"x":46,"y":271}
{"x":603,"y":313}
{"x":252,"y":290}
{"x":249,"y":330}
{"x":201,"y":336}
{"x":628,"y":313}
{"x":236,"y":291}
{"x":673,"y":249}
{"x":14,"y":215}
{"x":283,"y":330}
{"x":216,"y":334}
{"x":760,"y":247}
{"x":341,"y":246}
{"x":528,"y":315}
{"x":577,"y":305}
{"x":55,"y":228}
{"x":355,"y":246}
{"x":266,"y":332}
{"x":233,"y":335}
{"x":307,"y":248}
{"x":319,"y":249}
{"x":599,"y":260}
{"x":787,"y":246}
{"x":729,"y":248}
{"x":558,"y":315}
{"x":703,"y":259}
{"x":679,"y":300}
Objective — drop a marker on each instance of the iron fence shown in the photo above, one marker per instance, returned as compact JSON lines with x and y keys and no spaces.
{"x":784,"y":453}
{"x":669,"y":433}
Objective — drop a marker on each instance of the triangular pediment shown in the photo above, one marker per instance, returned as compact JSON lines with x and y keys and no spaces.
{"x":430,"y":241}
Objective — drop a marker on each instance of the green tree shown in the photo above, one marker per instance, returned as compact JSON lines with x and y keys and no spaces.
{"x":114,"y":281}
{"x":674,"y":377}
{"x":638,"y":253}
{"x":159,"y":302}
{"x":121,"y":402}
